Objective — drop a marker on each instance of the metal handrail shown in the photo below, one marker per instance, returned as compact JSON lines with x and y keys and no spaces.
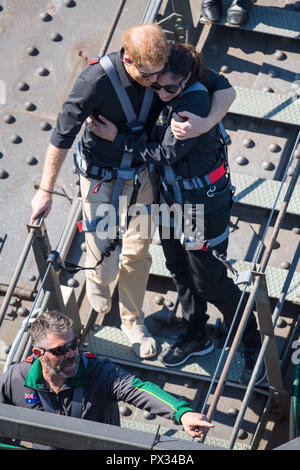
{"x":254,"y":291}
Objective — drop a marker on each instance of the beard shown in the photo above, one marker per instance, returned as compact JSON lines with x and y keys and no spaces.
{"x":59,"y":369}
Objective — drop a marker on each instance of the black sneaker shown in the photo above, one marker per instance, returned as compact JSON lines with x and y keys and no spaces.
{"x":184,"y":348}
{"x":250,"y":358}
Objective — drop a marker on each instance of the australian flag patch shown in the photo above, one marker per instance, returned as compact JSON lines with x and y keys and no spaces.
{"x":31,"y":398}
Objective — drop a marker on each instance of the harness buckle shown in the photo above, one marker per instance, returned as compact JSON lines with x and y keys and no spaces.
{"x":210,"y":191}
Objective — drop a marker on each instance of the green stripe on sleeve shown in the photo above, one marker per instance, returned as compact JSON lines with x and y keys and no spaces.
{"x":179,"y":407}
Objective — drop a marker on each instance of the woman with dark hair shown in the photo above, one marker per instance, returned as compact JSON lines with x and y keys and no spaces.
{"x":194,"y":174}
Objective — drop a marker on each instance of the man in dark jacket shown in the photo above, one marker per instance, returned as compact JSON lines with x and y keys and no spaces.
{"x":57,"y":379}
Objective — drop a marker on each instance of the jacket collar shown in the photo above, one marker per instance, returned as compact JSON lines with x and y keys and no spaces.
{"x":36,"y":380}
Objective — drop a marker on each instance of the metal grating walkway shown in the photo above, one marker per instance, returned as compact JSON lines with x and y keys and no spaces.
{"x":260,"y":192}
{"x":265,"y":105}
{"x":269,"y":20}
{"x":275,"y":276}
{"x":111,"y":342}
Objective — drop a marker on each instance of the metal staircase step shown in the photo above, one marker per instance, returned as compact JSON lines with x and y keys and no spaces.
{"x":111,"y":342}
{"x":275,"y":276}
{"x":174,"y":434}
{"x":265,"y":105}
{"x":260,"y":192}
{"x":269,"y":20}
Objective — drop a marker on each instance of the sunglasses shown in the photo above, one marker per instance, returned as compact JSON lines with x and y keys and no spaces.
{"x":168,"y":88}
{"x":128,"y":61}
{"x":62,"y":350}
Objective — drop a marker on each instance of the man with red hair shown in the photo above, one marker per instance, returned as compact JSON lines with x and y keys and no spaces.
{"x":137,"y":65}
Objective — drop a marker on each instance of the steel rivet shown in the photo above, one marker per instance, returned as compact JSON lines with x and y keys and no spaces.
{"x":7,"y":348}
{"x":158,"y":299}
{"x":242,"y":160}
{"x":32,"y":277}
{"x":13,"y":301}
{"x":23,"y":86}
{"x":296,"y":230}
{"x":31,"y":50}
{"x":291,"y":171}
{"x":285,"y":265}
{"x":29,"y":106}
{"x":83,"y":246}
{"x":43,"y":72}
{"x":3,"y":174}
{"x":273,"y":73}
{"x":125,"y":410}
{"x":9,"y":118}
{"x":148,"y":415}
{"x":31,"y":161}
{"x":225,"y":69}
{"x":269,"y":166}
{"x":45,"y":16}
{"x":45,"y":126}
{"x":169,"y":303}
{"x":274,"y":148}
{"x":72,"y":282}
{"x":297,"y":153}
{"x":15,"y":139}
{"x":279,"y":55}
{"x":232,"y":411}
{"x":268,"y":89}
{"x":56,"y":37}
{"x":248,"y":143}
{"x":70,"y":3}
{"x":242,"y":434}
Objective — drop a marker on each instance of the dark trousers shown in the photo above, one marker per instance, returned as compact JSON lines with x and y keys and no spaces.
{"x":200,"y":278}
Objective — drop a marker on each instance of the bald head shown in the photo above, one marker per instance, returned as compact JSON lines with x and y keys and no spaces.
{"x":146,"y":44}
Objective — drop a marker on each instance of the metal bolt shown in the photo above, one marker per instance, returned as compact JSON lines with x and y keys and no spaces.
{"x":22,"y":311}
{"x":169,"y":303}
{"x":268,"y":89}
{"x":3,"y":174}
{"x":15,"y":139}
{"x":285,"y":265}
{"x":279,"y":55}
{"x":45,"y":16}
{"x":32,"y":50}
{"x":56,"y":37}
{"x":125,"y":410}
{"x":83,"y":246}
{"x":248,"y":143}
{"x":274,"y":148}
{"x":233,"y":411}
{"x":269,"y":166}
{"x":70,"y":3}
{"x":225,"y":69}
{"x":31,"y":161}
{"x":148,"y":415}
{"x":29,"y":106}
{"x":242,"y":434}
{"x":43,"y":72}
{"x":23,"y":86}
{"x":158,"y":299}
{"x":242,"y":160}
{"x":45,"y":126}
{"x":273,"y":73}
{"x":9,"y":118}
{"x":7,"y":348}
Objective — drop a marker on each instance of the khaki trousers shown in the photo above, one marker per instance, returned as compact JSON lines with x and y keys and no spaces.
{"x":132,"y":263}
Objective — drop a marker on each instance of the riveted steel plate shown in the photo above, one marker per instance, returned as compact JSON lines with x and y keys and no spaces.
{"x":275,"y":276}
{"x":269,"y":20}
{"x":113,"y":343}
{"x":45,"y":45}
{"x":264,"y":105}
{"x":164,"y":431}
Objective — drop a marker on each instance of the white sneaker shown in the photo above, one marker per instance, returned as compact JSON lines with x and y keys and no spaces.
{"x":99,"y":296}
{"x":143,"y":344}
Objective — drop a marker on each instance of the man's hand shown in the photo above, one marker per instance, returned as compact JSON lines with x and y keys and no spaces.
{"x":104,"y":129}
{"x":195,"y":424}
{"x":40,"y":204}
{"x":192,"y":127}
